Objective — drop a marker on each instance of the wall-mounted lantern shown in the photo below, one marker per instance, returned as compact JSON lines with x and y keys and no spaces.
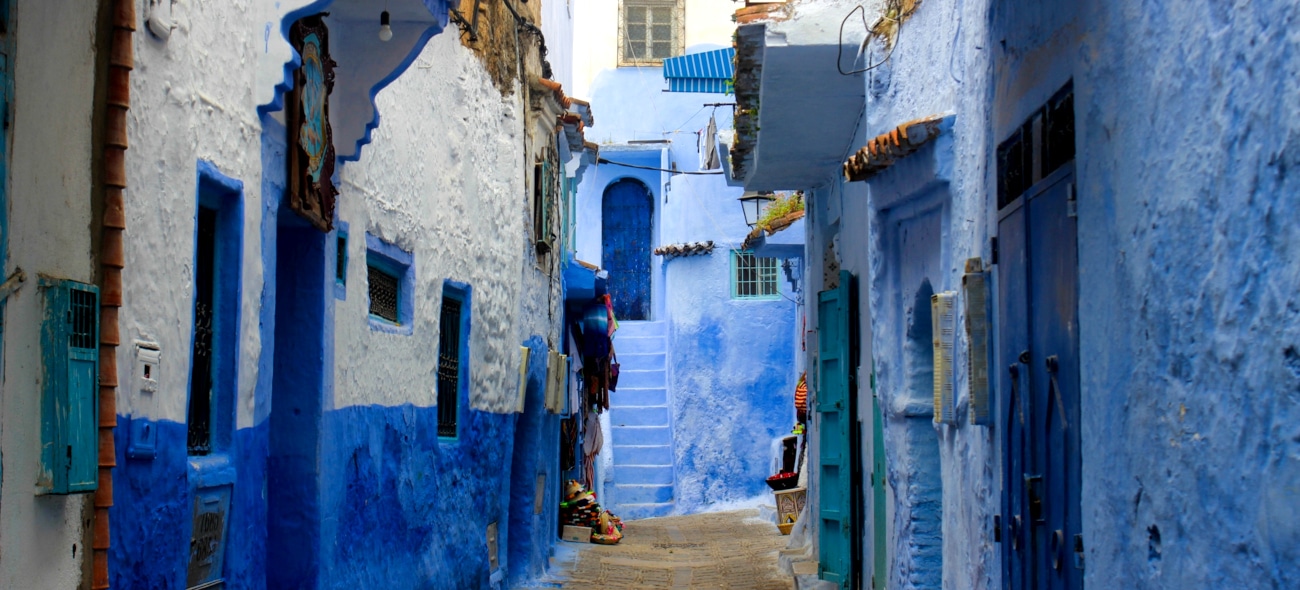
{"x":753,"y":205}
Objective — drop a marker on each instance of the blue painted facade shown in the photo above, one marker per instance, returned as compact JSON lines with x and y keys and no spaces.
{"x":715,"y":374}
{"x":325,"y":493}
{"x":1183,"y":156}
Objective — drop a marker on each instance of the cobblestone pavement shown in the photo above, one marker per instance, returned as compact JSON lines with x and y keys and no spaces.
{"x":723,"y":550}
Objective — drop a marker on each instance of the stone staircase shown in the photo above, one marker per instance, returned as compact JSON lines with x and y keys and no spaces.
{"x":641,"y":433}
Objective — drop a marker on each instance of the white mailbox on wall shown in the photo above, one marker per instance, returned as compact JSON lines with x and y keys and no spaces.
{"x":144,"y":435}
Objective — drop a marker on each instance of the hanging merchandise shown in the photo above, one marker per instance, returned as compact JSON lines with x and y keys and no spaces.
{"x":595,"y":330}
{"x":801,"y":398}
{"x":580,"y":508}
{"x":708,"y":147}
{"x":568,"y":443}
{"x":613,"y":369}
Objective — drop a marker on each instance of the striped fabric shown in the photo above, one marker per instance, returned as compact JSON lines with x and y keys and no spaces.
{"x":708,"y":71}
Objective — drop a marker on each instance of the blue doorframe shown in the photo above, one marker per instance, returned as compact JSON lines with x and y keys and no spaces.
{"x":627,"y":213}
{"x":1038,"y":295}
{"x":839,"y":488}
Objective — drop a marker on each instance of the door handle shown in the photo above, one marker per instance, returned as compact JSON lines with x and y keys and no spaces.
{"x":1055,"y":546}
{"x":1016,"y":524}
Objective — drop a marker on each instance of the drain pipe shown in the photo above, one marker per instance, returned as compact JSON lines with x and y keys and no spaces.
{"x":112,"y":260}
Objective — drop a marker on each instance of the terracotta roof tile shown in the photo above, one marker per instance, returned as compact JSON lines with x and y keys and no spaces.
{"x":882,"y":151}
{"x":686,"y":249}
{"x":772,"y":227}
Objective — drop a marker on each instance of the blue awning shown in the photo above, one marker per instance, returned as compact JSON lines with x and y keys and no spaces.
{"x":707,"y":71}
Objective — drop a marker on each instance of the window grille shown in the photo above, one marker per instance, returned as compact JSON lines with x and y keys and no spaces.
{"x":341,"y":259}
{"x":83,"y":314}
{"x":383,"y":294}
{"x":650,"y":31}
{"x":449,"y":359}
{"x":1042,"y":144}
{"x":199,"y":431}
{"x":752,"y":277}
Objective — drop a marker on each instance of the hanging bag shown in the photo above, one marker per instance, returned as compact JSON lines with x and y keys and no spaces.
{"x":613,"y":369}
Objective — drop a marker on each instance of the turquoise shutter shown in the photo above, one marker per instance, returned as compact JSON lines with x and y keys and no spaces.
{"x":835,"y":467}
{"x":70,"y":400}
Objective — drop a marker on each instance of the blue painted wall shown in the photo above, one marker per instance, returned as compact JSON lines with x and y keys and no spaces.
{"x":396,"y":507}
{"x":535,"y":451}
{"x":1189,"y":323}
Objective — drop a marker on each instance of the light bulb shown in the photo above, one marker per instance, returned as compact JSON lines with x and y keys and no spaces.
{"x":385,"y":31}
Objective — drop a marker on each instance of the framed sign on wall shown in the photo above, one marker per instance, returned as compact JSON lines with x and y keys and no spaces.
{"x":311,"y":143}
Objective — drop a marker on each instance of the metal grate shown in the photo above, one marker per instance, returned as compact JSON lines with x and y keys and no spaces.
{"x":753,"y":277}
{"x":341,"y":259}
{"x":82,"y":318}
{"x":449,"y":354}
{"x":199,"y":428}
{"x":383,"y":294}
{"x":1042,"y":144}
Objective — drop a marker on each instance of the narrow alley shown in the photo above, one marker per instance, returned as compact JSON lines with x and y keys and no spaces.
{"x":601,"y":294}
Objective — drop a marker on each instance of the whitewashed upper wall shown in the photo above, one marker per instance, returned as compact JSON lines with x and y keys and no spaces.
{"x":596,"y":44}
{"x":193,"y":97}
{"x":443,"y":180}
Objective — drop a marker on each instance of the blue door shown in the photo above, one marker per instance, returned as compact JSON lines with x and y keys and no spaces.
{"x":838,"y":492}
{"x":626,"y":212}
{"x":1038,"y":293}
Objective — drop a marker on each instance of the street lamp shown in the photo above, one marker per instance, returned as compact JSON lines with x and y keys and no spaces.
{"x":753,"y":205}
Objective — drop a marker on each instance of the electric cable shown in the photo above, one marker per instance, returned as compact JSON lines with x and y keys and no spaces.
{"x":839,"y":62}
{"x":604,"y":161}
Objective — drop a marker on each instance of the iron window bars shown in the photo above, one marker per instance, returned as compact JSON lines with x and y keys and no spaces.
{"x":752,"y":277}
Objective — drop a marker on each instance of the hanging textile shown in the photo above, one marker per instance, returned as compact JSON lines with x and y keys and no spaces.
{"x":709,"y":148}
{"x":592,"y":441}
{"x":801,"y":398}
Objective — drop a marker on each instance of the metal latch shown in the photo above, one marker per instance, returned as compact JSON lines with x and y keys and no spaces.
{"x":12,"y":283}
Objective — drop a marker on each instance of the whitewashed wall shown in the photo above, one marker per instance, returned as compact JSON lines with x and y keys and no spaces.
{"x":49,"y":214}
{"x":192,"y":98}
{"x":444,"y":179}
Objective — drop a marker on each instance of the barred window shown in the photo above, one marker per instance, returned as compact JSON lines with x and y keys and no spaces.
{"x":384,"y":293}
{"x":752,"y":277}
{"x":453,"y":332}
{"x":650,"y":31}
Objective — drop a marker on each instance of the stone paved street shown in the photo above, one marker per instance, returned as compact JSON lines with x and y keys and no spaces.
{"x":716,"y":550}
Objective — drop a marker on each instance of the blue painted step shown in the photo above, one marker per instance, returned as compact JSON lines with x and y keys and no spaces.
{"x":643,"y":455}
{"x":634,"y":396}
{"x":642,"y":474}
{"x":643,"y":494}
{"x":640,"y":329}
{"x":643,"y":360}
{"x":624,"y":345}
{"x":641,"y":434}
{"x":640,"y":416}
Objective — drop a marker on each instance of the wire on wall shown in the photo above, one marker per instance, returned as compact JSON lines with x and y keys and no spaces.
{"x":839,"y":61}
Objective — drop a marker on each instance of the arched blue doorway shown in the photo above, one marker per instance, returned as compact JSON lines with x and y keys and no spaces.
{"x":626,"y":213}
